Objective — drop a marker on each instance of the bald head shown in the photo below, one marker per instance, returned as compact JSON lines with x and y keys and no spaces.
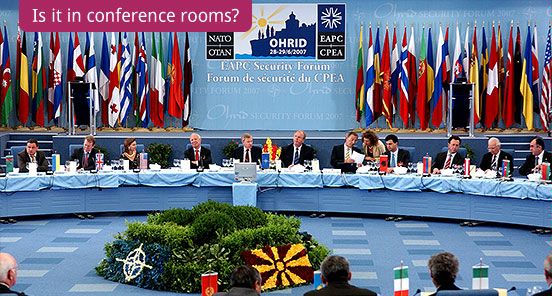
{"x":8,"y":269}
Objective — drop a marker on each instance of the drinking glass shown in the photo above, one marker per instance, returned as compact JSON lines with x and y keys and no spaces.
{"x":176,"y":163}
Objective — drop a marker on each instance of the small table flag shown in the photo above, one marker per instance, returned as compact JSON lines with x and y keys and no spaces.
{"x":209,"y":284}
{"x":480,"y":277}
{"x":401,"y":282}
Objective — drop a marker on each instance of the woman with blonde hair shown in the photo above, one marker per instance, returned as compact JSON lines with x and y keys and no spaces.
{"x":372,"y":146}
{"x":130,"y":154}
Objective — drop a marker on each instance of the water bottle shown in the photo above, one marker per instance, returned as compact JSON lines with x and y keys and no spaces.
{"x":144,"y":161}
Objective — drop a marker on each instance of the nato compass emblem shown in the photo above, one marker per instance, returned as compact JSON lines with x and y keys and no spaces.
{"x":134,"y":263}
{"x":331,"y":18}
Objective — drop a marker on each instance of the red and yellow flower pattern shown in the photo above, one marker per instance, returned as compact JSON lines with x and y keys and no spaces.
{"x":281,"y":266}
{"x":272,"y":149}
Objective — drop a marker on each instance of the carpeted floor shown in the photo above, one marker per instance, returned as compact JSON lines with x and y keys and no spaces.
{"x":57,"y":255}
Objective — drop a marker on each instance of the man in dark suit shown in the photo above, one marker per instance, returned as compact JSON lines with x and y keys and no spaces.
{"x":297,"y":152}
{"x":396,"y":156}
{"x":8,"y":274}
{"x":547,"y":277}
{"x":336,"y":275}
{"x":31,"y":154}
{"x":492,"y":160}
{"x":445,"y":160}
{"x":443,"y":268}
{"x":86,"y":156}
{"x":342,"y":154}
{"x":198,"y":156}
{"x":247,"y":152}
{"x":536,"y":157}
{"x":245,"y":281}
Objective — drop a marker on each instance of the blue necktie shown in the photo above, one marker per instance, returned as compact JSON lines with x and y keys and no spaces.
{"x":393,"y":164}
{"x":296,"y":156}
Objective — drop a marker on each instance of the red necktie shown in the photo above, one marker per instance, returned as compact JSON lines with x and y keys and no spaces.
{"x":447,"y":163}
{"x":85,"y":158}
{"x":197,"y":154}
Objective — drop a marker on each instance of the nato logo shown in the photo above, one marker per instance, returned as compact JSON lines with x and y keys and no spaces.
{"x":331,"y":18}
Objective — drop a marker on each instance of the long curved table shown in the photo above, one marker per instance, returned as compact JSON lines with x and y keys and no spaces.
{"x":516,"y":202}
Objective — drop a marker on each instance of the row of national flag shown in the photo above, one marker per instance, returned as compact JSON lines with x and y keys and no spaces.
{"x":415,"y":85}
{"x":124,"y":83}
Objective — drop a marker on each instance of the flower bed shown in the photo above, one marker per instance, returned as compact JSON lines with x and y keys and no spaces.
{"x":180,"y":244}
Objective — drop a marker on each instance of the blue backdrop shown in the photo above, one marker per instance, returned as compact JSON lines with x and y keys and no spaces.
{"x":321,"y":96}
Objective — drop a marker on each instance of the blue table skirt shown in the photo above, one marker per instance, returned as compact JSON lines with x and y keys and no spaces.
{"x":519,"y":188}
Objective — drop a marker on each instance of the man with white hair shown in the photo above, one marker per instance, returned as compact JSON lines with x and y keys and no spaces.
{"x":198,"y":155}
{"x":492,"y":160}
{"x":547,"y":277}
{"x":8,"y":274}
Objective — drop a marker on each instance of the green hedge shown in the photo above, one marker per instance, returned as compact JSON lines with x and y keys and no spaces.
{"x":209,"y":237}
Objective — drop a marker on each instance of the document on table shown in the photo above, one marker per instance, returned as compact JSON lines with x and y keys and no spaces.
{"x":357,"y":157}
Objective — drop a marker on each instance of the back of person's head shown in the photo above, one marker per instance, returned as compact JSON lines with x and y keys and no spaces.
{"x":392,"y":137}
{"x":335,"y":269}
{"x":8,"y":266}
{"x":443,"y":268}
{"x":245,"y":276}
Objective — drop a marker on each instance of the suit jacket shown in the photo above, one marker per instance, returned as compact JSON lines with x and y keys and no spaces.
{"x":237,"y":291}
{"x":529,"y":163}
{"x":340,"y":289}
{"x":451,"y":287}
{"x":306,"y":153}
{"x":256,"y":154}
{"x":441,"y":158}
{"x":487,"y":160}
{"x":544,"y":293}
{"x":204,"y":156}
{"x":23,"y":158}
{"x":403,"y":156}
{"x":79,"y":156}
{"x":6,"y":290}
{"x":338,"y":159}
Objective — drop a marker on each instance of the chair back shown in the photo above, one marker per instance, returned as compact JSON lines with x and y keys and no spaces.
{"x":412,"y":151}
{"x":14,"y":150}
{"x":72,"y":148}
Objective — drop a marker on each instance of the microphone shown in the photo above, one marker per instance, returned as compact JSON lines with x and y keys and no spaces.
{"x":417,"y":292}
{"x":513,"y":288}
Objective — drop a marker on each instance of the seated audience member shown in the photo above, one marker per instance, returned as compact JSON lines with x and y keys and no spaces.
{"x":341,"y":154}
{"x":32,"y":155}
{"x":8,"y":274}
{"x":336,"y":275}
{"x":443,"y":268}
{"x":247,"y":152}
{"x":396,"y":156}
{"x":547,"y":277}
{"x":492,"y":160}
{"x":130,"y":154}
{"x":245,"y":281}
{"x":86,"y":156}
{"x":199,"y":156}
{"x":536,"y":157}
{"x":297,"y":152}
{"x":372,"y":146}
{"x":445,"y":160}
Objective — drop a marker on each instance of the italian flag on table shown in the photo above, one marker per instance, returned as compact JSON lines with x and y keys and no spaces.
{"x":480,"y":277}
{"x":401,"y":282}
